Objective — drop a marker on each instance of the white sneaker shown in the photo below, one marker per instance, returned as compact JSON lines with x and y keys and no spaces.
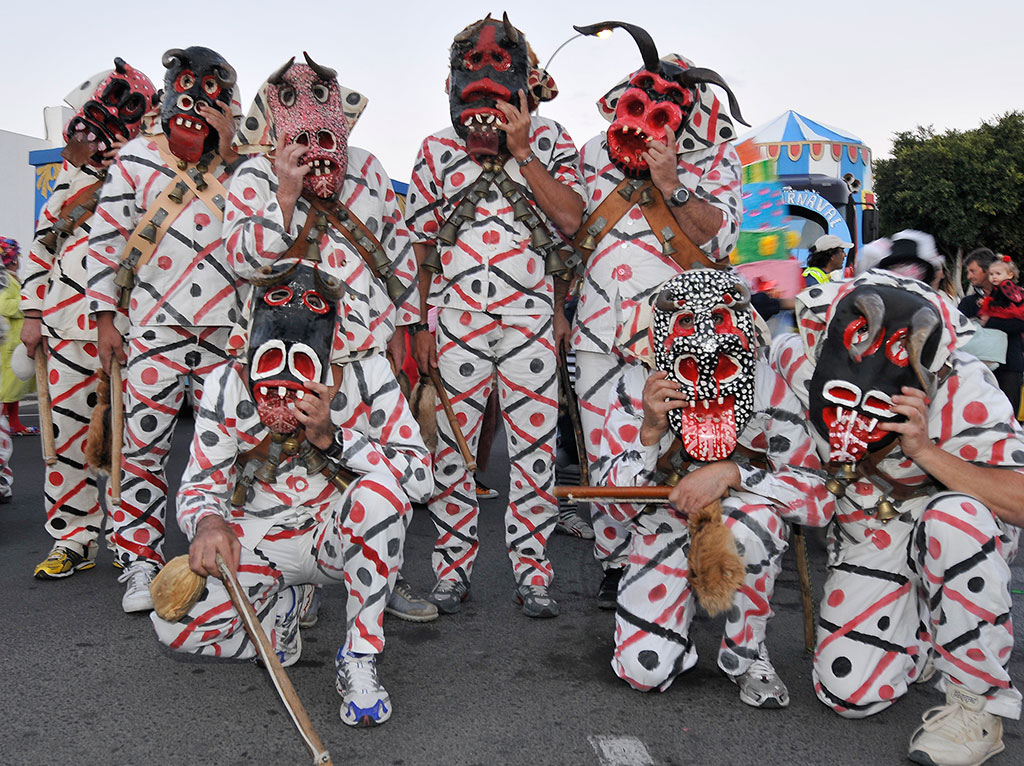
{"x":364,"y":701}
{"x":760,"y":686}
{"x":959,"y":733}
{"x":287,"y":636}
{"x":309,"y":611}
{"x":139,"y":575}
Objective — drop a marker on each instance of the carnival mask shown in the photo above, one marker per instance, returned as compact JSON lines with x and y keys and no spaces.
{"x":291,"y":331}
{"x":490,"y":62}
{"x":879,"y":339}
{"x":703,"y":336}
{"x":306,"y":105}
{"x":116,"y":107}
{"x":194,"y":76}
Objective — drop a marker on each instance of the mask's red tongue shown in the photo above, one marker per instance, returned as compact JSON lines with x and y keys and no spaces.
{"x":187,"y":142}
{"x":849,"y":434}
{"x":482,"y":143}
{"x":709,"y":429}
{"x":276,"y":411}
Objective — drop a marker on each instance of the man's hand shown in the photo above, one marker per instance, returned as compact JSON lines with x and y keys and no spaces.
{"x":111,"y":154}
{"x":424,"y":351}
{"x":516,"y":127}
{"x":562,"y":331}
{"x":704,"y":485}
{"x":314,"y":412}
{"x":660,"y":396}
{"x":213,"y":535}
{"x":396,"y":350}
{"x":913,"y":433}
{"x":661,"y":159}
{"x":220,"y":119}
{"x":32,"y":336}
{"x":108,"y":340}
{"x":290,"y":172}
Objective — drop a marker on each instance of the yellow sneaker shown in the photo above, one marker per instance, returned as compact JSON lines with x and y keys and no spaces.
{"x":62,"y":562}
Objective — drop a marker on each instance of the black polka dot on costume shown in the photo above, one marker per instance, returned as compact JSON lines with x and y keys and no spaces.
{"x":688,"y":143}
{"x":729,"y":661}
{"x":476,"y":285}
{"x":252,"y":123}
{"x":664,"y":528}
{"x":148,"y":423}
{"x":144,"y":495}
{"x":209,"y":438}
{"x":883,"y":623}
{"x":330,"y":549}
{"x":84,"y":85}
{"x":492,"y":289}
{"x":536,"y":365}
{"x":445,"y":157}
{"x":340,"y":402}
{"x":149,"y":335}
{"x":734,"y":614}
{"x":419,"y":474}
{"x":511,"y":529}
{"x":528,"y":303}
{"x":778,"y":443}
{"x":726,"y":133}
{"x":245,"y":409}
{"x":161,"y":318}
{"x":193,"y":358}
{"x":196,"y":290}
{"x":90,"y":400}
{"x":364,"y":576}
{"x":127,"y":211}
{"x":538,"y":466}
{"x":1017,"y":456}
{"x":492,"y":196}
{"x":466,"y":369}
{"x":815,"y":292}
{"x":544,"y":143}
{"x":377,"y":418}
{"x":372,"y":224}
{"x":394,"y":546}
{"x":232,"y":315}
{"x":976,"y":584}
{"x":841,"y":667}
{"x":58,"y":523}
{"x":448,"y":470}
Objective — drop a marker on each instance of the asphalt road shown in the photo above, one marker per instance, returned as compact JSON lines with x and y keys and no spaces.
{"x":86,"y":684}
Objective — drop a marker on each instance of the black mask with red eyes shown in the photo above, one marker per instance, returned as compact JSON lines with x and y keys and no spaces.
{"x":878,"y":340}
{"x":116,"y":107}
{"x":291,"y":332}
{"x":703,"y":336}
{"x":194,"y":76}
{"x":489,"y":63}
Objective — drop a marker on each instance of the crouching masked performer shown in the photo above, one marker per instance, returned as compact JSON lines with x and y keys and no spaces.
{"x":924,"y":454}
{"x":716,"y":421}
{"x":663,"y":193}
{"x":110,"y":108}
{"x":487,"y":198}
{"x":301,"y":473}
{"x":155,"y":255}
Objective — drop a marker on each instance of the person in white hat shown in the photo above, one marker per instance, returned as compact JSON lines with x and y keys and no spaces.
{"x":827,"y":254}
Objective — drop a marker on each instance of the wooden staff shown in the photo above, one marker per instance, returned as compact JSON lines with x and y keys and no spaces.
{"x":573,"y":405}
{"x":277,"y":674}
{"x":116,"y":430}
{"x":45,"y":416}
{"x":453,"y":421}
{"x":642,"y":495}
{"x":804,"y":575}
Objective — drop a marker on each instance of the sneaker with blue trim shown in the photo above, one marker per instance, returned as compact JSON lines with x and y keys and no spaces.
{"x":448,"y":595}
{"x":364,"y":702}
{"x":287,"y":636}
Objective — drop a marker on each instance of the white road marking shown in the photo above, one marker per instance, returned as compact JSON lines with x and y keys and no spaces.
{"x":620,"y":751}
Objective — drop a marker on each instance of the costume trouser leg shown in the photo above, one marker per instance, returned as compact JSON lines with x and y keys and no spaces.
{"x":6,"y":450}
{"x":471,"y":346}
{"x":357,"y":544}
{"x":159,"y":360}
{"x":938,"y":584}
{"x":595,"y":378}
{"x":74,"y":516}
{"x":656,"y":605}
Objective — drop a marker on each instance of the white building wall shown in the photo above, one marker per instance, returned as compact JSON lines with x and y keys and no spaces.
{"x":17,"y":187}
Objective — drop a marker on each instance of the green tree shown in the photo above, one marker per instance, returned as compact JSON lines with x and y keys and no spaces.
{"x":965,"y":188}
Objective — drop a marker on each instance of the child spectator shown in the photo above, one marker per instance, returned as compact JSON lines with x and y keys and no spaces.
{"x":1006,"y":300}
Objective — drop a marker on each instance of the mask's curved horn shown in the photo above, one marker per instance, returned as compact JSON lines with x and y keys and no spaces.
{"x":694,"y":75}
{"x":269,"y":275}
{"x":872,"y":308}
{"x":172,"y":57}
{"x":922,"y":325}
{"x":643,"y":40}
{"x":275,"y":78}
{"x":120,"y":66}
{"x":668,"y":303}
{"x":323,"y":72}
{"x":744,"y":300}
{"x":225,"y":74}
{"x":333,"y":289}
{"x":510,"y":31}
{"x":470,"y":31}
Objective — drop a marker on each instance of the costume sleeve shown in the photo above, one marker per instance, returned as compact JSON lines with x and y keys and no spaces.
{"x":564,"y":164}
{"x":254,"y":233}
{"x":720,"y":186}
{"x":423,"y":202}
{"x":34,"y":271}
{"x":112,"y":224}
{"x":392,"y":441}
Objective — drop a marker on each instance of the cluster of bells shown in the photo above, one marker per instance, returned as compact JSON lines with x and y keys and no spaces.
{"x":67,"y":223}
{"x":628,"y":191}
{"x":540,"y":240}
{"x":289,"y":445}
{"x":845,"y":475}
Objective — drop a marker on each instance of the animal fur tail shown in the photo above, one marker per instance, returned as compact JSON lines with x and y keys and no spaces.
{"x":98,"y":442}
{"x":716,"y":569}
{"x":424,"y":409}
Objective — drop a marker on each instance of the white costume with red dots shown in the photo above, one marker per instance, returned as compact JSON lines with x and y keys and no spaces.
{"x":301,"y":529}
{"x":655,"y":603}
{"x":626,"y":267}
{"x":183,"y":305}
{"x":495,"y":307}
{"x":935,"y":579}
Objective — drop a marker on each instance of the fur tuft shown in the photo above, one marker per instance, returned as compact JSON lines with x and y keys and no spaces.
{"x":97,"y":443}
{"x":716,"y":569}
{"x":424,"y":409}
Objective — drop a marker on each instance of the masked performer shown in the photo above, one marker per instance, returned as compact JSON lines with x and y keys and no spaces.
{"x":717,"y":417}
{"x":110,"y":110}
{"x":486,"y":198}
{"x":301,"y":473}
{"x":924,"y":452}
{"x":155,"y":253}
{"x":663,"y":193}
{"x":320,"y":198}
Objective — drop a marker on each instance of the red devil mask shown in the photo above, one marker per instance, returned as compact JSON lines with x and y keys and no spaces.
{"x":116,"y":107}
{"x":306,"y":105}
{"x":194,"y":76}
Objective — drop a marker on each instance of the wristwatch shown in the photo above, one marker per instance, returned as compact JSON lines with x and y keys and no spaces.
{"x":416,"y":327}
{"x":679,"y":197}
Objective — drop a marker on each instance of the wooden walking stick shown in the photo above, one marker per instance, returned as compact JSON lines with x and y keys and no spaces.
{"x":453,"y":421}
{"x":572,"y":404}
{"x":804,"y":575}
{"x":277,"y":673}
{"x":45,"y":416}
{"x":116,"y":430}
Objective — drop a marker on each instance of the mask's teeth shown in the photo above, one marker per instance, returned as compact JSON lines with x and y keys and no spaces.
{"x":282,"y":391}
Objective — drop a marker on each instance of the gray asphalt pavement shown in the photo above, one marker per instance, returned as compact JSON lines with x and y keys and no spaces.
{"x":86,"y":684}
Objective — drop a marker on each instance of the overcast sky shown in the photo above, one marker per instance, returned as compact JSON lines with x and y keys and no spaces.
{"x":870,"y":67}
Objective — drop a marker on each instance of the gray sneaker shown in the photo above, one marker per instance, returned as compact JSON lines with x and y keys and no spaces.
{"x":138,"y":576}
{"x":959,"y":733}
{"x":448,"y":595}
{"x":760,"y":686}
{"x":287,"y":636}
{"x":404,"y":604}
{"x":536,"y":601}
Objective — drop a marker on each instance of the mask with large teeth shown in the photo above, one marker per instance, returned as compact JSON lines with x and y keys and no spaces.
{"x":490,"y":62}
{"x":878,"y":339}
{"x":115,"y":106}
{"x":306,"y":105}
{"x":291,"y":331}
{"x":194,"y":76}
{"x":703,"y":337}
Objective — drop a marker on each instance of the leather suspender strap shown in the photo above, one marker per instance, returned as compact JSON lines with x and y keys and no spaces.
{"x":298,"y":248}
{"x":202,"y":182}
{"x":607,"y":214}
{"x":362,"y":241}
{"x":666,"y":228}
{"x":81,"y":197}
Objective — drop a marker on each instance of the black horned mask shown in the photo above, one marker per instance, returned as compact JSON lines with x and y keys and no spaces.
{"x":194,"y":76}
{"x":703,"y":336}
